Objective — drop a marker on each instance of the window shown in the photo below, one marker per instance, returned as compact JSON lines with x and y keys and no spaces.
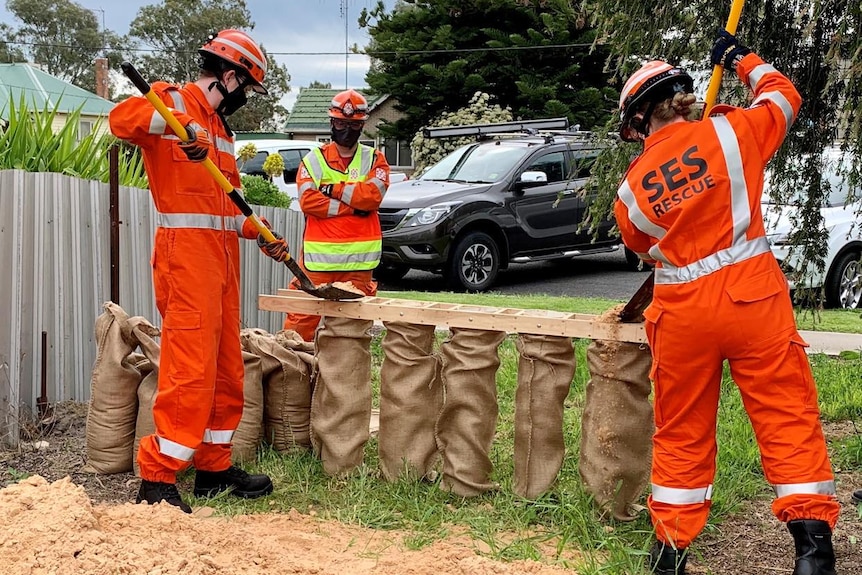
{"x":291,"y":159}
{"x":85,"y":127}
{"x":553,"y":165}
{"x":254,"y":166}
{"x":398,"y":153}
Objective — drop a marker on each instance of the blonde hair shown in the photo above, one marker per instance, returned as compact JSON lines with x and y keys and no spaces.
{"x":681,"y":104}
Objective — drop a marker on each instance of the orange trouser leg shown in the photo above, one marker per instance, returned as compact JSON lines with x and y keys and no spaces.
{"x":687,"y":381}
{"x":780,"y":396}
{"x":214,"y":453}
{"x":305,"y":325}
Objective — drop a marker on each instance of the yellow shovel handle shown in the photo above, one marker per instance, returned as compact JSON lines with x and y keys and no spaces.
{"x":715,"y":79}
{"x":180,"y":131}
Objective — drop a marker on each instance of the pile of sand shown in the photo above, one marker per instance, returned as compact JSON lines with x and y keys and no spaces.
{"x":54,"y":528}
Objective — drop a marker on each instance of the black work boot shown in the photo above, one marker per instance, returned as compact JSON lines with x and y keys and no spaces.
{"x":242,"y":484}
{"x":814,"y":554}
{"x":856,"y":498}
{"x":665,"y":560}
{"x":153,"y":492}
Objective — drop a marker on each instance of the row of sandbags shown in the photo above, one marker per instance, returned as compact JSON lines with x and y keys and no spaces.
{"x":438,"y":406}
{"x":438,"y":409}
{"x":277,"y":389}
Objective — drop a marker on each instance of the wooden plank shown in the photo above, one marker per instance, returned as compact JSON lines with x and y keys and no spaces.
{"x":534,"y":321}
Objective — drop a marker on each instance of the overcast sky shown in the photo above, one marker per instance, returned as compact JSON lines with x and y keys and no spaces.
{"x":288,"y":29}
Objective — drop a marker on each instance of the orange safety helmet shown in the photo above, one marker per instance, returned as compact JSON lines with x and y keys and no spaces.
{"x":654,"y":82}
{"x":349,"y":105}
{"x":238,"y":50}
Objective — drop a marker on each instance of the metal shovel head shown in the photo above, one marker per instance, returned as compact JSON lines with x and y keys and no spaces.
{"x":334,"y":291}
{"x":635,"y":307}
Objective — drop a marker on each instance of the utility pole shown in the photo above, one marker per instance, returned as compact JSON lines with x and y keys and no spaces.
{"x":346,"y":51}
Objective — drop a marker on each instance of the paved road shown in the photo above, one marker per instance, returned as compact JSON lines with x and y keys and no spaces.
{"x":601,"y":275}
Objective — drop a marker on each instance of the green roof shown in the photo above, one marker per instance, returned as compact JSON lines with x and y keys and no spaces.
{"x":40,"y":90}
{"x":310,"y":111}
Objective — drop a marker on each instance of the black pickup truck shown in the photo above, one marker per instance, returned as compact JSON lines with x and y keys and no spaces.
{"x":494,"y":202}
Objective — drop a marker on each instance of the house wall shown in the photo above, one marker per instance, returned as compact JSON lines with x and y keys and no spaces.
{"x":100,"y":124}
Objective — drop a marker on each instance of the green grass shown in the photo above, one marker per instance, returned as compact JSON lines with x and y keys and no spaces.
{"x":562,"y":526}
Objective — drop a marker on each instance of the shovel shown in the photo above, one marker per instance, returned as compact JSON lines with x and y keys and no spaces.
{"x":635,"y":307}
{"x":325,"y":291}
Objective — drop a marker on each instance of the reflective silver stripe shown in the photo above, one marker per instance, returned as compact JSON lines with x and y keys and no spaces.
{"x":379,"y":183}
{"x":813,"y":488}
{"x":218,"y":436}
{"x":174,"y":449}
{"x":347,"y":193}
{"x":736,"y":174}
{"x":318,"y":258}
{"x":238,"y":222}
{"x":637,"y":217}
{"x":677,"y":496}
{"x":758,"y":73}
{"x":306,"y":186}
{"x":157,"y":124}
{"x":658,"y":255}
{"x":314,"y":162}
{"x":196,"y":221}
{"x":367,"y":159}
{"x":732,"y":255}
{"x":783,"y":104}
{"x":224,"y":145}
{"x":333,"y":207}
{"x":240,"y":48}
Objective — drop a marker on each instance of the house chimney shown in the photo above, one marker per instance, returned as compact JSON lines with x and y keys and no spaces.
{"x":102,"y":78}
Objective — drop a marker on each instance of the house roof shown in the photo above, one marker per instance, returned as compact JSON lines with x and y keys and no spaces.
{"x":40,"y":89}
{"x":310,"y":111}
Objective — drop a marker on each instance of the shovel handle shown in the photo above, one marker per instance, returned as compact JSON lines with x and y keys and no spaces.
{"x":718,"y":69}
{"x":236,"y":197}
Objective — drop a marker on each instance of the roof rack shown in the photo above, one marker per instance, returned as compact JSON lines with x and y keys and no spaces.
{"x":483,"y":130}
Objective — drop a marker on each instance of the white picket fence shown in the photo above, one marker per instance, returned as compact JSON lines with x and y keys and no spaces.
{"x":55,"y":276}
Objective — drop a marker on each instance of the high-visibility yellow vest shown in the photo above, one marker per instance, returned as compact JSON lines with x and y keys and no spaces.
{"x":345,"y":243}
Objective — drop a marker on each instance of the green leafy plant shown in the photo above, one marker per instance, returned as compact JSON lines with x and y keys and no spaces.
{"x":29,"y":141}
{"x":262,"y":192}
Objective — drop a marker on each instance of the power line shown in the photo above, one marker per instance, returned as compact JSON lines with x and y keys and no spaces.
{"x":371,"y":53}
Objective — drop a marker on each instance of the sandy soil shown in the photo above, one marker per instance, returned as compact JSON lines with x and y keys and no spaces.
{"x":63,"y":521}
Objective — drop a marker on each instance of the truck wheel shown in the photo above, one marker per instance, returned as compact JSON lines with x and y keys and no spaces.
{"x":634,"y":263}
{"x":844,"y":282}
{"x":390,"y":272}
{"x":475,"y":263}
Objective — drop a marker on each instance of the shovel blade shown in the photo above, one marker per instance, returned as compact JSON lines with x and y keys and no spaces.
{"x":635,"y":307}
{"x":324,"y":291}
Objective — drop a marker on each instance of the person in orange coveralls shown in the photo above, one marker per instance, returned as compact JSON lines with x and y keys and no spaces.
{"x":340,"y":187}
{"x":690,"y":203}
{"x":196,"y":272}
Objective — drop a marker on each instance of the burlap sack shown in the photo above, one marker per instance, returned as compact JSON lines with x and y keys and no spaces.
{"x":341,"y":403}
{"x":465,"y":428}
{"x":113,"y":392}
{"x":149,"y":368}
{"x":546,"y":367}
{"x":410,"y":399}
{"x":249,"y":432}
{"x":617,"y":426}
{"x":286,"y":372}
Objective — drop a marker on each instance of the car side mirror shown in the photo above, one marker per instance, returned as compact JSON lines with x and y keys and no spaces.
{"x":530,"y":179}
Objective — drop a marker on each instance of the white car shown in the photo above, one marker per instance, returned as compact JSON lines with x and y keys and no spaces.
{"x":841,"y":280}
{"x":291,"y":152}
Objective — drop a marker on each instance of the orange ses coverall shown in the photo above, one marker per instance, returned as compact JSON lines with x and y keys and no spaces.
{"x":196,"y":280}
{"x":691,"y":202}
{"x":342,"y":240}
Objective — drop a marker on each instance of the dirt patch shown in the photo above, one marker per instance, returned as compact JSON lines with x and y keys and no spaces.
{"x":85,"y":525}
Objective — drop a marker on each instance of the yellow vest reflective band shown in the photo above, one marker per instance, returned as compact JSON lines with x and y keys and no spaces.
{"x":345,"y":243}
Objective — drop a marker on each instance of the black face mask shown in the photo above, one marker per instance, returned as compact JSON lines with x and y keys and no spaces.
{"x":231,"y":101}
{"x":346,"y":137}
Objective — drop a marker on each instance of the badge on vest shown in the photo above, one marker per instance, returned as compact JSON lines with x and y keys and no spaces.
{"x":353,"y":174}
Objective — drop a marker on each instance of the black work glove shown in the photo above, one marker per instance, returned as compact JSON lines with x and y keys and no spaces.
{"x":197,"y":147}
{"x":277,"y":249}
{"x":360,"y":213}
{"x":727,"y":51}
{"x":326,"y":190}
